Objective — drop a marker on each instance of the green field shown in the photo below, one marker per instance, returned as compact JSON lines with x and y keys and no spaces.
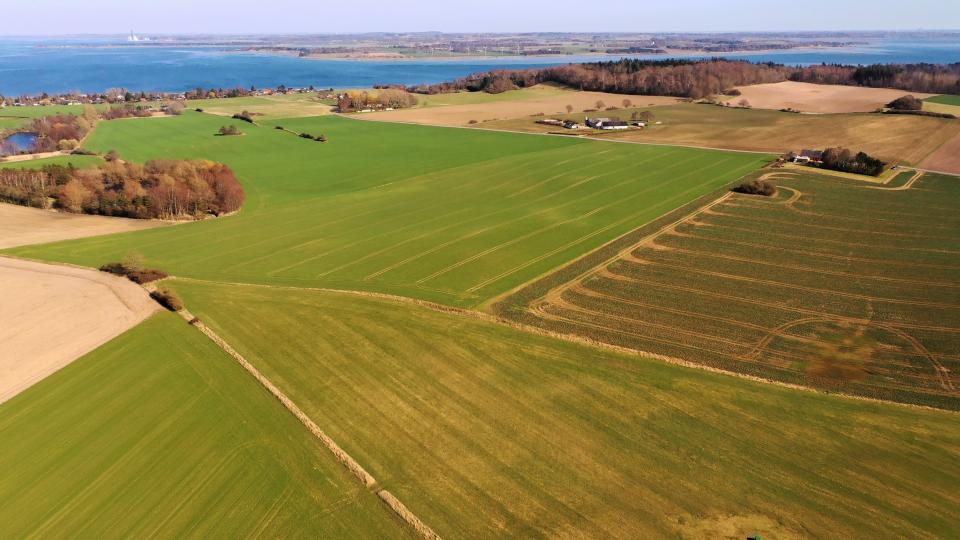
{"x":265,"y":107}
{"x":159,"y":433}
{"x":452,"y":215}
{"x":77,"y":161}
{"x":15,"y":117}
{"x":945,"y":99}
{"x":833,"y":283}
{"x":485,"y":431}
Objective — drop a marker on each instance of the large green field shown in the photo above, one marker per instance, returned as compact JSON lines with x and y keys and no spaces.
{"x":452,"y":215}
{"x":833,"y":283}
{"x":485,"y":431}
{"x":160,"y":434}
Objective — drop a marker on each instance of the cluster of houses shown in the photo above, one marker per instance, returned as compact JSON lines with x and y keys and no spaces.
{"x":122,"y":96}
{"x":606,"y":124}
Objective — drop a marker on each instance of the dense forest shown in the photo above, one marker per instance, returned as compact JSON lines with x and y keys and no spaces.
{"x":700,"y":78}
{"x":159,"y":189}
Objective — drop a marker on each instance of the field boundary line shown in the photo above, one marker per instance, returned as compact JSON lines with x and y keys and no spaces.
{"x":342,"y":456}
{"x":570,"y":338}
{"x":406,"y":515}
{"x":365,"y":478}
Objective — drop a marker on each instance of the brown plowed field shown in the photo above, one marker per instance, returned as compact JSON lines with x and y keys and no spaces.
{"x":820,"y":98}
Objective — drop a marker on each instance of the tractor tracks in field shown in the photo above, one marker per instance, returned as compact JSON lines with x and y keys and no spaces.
{"x":562,"y":336}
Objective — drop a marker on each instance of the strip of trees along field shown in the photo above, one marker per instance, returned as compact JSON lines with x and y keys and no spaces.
{"x":700,"y":78}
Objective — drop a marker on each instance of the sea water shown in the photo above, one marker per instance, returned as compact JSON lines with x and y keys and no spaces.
{"x":33,"y":66}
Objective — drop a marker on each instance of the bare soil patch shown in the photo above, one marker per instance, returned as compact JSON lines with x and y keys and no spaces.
{"x":820,"y":98}
{"x":51,"y":315}
{"x":461,"y":115}
{"x":20,"y":226}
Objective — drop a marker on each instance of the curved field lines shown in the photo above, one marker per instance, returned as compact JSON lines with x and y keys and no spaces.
{"x":806,"y":287}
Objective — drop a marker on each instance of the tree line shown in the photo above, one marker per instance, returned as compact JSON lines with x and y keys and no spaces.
{"x":701,"y":78}
{"x":165,"y":189}
{"x":381,"y":98}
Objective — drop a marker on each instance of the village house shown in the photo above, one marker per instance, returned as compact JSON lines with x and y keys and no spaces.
{"x":607,"y":123}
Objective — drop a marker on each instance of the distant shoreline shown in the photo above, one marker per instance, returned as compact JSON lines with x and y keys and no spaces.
{"x":575,"y":57}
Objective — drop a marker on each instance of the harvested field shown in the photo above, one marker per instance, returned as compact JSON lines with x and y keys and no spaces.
{"x":834,"y":284}
{"x":51,"y":315}
{"x":895,"y":138}
{"x":550,"y":104}
{"x":819,"y":98}
{"x":21,"y":226}
{"x":452,"y":215}
{"x":484,"y":431}
{"x":946,"y":158}
{"x":159,"y":434}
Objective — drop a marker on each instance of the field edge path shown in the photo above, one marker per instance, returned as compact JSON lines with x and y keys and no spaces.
{"x":342,"y":456}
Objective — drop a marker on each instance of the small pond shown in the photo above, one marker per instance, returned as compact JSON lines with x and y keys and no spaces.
{"x":19,"y":142}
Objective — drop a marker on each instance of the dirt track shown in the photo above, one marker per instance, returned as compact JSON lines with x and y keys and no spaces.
{"x":51,"y":315}
{"x":20,"y":226}
{"x":819,"y":98}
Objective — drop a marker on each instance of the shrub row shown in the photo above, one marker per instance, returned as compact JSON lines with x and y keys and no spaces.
{"x":134,"y":274}
{"x":318,"y":138}
{"x":756,"y":187}
{"x":167,"y":299}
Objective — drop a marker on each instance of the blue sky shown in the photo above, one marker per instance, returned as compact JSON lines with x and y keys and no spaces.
{"x":57,"y":17}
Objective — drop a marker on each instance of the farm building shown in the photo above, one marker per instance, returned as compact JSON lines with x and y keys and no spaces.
{"x":807,"y":156}
{"x":570,"y":124}
{"x":607,"y":123}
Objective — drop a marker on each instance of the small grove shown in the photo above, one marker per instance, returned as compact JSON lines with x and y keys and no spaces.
{"x":842,"y":159}
{"x":159,"y":189}
{"x":382,"y":98}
